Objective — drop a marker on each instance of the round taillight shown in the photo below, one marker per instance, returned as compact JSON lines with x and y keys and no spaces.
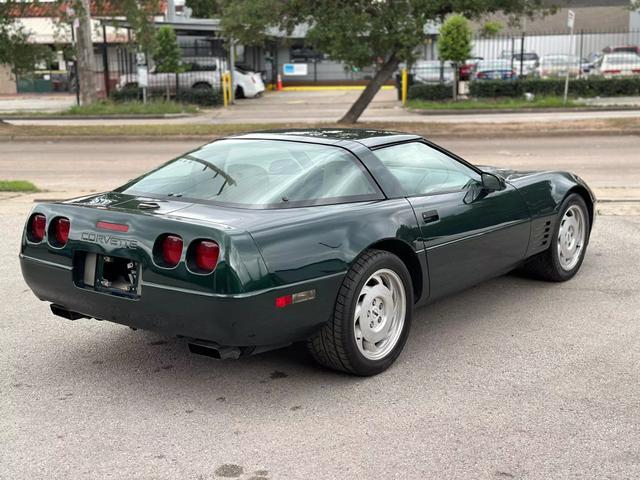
{"x":60,"y":229}
{"x":37,"y":227}
{"x":171,"y":250}
{"x":206,"y":254}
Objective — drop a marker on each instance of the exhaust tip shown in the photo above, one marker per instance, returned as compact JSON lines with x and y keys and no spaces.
{"x":64,"y":313}
{"x":215,"y":351}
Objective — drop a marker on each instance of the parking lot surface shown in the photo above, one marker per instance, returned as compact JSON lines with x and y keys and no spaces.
{"x":513,"y":378}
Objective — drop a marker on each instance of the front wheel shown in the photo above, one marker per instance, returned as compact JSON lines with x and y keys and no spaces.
{"x":562,"y":260}
{"x":371,"y":318}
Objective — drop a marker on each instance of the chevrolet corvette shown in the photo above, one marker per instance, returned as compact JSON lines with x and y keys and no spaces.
{"x":325,"y":236}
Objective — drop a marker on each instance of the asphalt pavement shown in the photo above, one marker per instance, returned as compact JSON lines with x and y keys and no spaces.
{"x":513,"y":378}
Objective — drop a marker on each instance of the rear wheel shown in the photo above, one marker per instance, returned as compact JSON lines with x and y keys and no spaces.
{"x":371,"y":318}
{"x":562,"y":260}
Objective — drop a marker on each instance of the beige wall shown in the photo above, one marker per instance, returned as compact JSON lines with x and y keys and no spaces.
{"x":7,"y":81}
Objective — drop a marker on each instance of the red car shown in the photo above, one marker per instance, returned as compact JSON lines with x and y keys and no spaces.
{"x":623,"y":48}
{"x":468,"y":67}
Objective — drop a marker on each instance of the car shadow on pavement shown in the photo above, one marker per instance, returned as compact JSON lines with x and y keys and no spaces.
{"x":114,"y":352}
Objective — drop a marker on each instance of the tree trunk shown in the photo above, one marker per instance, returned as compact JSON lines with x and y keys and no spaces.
{"x":370,"y":90}
{"x":84,"y":54}
{"x":455,"y":81}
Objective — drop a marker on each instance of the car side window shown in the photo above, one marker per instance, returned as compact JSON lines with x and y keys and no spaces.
{"x":422,"y":170}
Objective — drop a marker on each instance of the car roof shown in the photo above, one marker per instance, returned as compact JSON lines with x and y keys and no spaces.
{"x":331,"y":136}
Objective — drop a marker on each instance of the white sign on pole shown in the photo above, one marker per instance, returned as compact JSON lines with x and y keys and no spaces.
{"x":295,"y":69}
{"x":571,"y":19}
{"x":143,"y":76}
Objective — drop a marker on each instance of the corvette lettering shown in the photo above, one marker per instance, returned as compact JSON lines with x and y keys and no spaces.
{"x":103,"y":239}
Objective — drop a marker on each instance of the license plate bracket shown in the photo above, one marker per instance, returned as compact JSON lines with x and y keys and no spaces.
{"x":108,"y":274}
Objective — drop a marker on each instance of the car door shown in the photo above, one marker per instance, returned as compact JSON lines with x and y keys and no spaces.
{"x":470,"y":233}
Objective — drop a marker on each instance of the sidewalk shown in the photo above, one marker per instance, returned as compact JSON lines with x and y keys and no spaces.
{"x":53,"y":102}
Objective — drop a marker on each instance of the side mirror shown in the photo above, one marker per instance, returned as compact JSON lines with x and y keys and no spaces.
{"x":492,"y":183}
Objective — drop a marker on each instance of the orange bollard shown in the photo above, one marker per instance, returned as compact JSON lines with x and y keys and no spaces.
{"x":279,"y":83}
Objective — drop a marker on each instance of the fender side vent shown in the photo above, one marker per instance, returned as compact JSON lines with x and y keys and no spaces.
{"x":546,"y":233}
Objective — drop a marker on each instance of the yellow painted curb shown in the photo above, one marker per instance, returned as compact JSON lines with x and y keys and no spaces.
{"x":331,"y":87}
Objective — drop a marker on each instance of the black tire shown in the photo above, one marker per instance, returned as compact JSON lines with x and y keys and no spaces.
{"x":239,"y":92}
{"x":334,"y":346}
{"x":202,"y":86}
{"x":546,"y":265}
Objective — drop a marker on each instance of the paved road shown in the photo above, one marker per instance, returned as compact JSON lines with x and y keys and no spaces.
{"x":511,"y":379}
{"x":609,"y":161}
{"x":330,"y":106}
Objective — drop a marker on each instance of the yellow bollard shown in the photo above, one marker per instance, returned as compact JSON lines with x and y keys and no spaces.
{"x":225,"y":98}
{"x":229,"y":97}
{"x":405,"y":86}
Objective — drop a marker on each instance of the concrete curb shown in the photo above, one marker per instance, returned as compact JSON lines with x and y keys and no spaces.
{"x":163,"y":116}
{"x":419,"y":111}
{"x":205,"y":138}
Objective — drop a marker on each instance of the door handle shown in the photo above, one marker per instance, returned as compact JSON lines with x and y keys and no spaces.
{"x":430,"y":216}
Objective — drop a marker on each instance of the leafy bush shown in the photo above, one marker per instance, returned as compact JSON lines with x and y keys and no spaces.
{"x":436,"y":91}
{"x":204,"y":97}
{"x":126,"y":94}
{"x":588,"y":87}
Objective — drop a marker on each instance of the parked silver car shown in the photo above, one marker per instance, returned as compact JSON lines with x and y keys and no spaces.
{"x":432,"y":71}
{"x":558,"y":65}
{"x":525,"y":64}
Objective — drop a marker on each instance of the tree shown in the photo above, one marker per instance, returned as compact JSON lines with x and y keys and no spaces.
{"x":454,"y":45}
{"x":84,"y":52}
{"x":16,"y":48}
{"x":204,"y":8}
{"x":359,"y":33}
{"x":138,"y":13}
{"x":167,"y":54}
{"x":490,"y":29}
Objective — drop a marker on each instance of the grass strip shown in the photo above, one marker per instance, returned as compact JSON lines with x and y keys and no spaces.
{"x":494,"y":104}
{"x":17,"y":186}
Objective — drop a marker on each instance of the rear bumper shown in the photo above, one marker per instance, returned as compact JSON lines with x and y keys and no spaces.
{"x":250,"y":319}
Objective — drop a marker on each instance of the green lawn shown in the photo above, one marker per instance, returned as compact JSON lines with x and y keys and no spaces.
{"x":492,"y":104}
{"x":154,"y":107}
{"x":17,"y":186}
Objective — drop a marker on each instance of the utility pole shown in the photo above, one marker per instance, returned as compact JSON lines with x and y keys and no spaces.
{"x":84,"y":53}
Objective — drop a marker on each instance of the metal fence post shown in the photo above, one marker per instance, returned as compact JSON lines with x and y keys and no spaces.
{"x":522,"y":54}
{"x":581,"y":52}
{"x":513,"y":48}
{"x":105,"y":61}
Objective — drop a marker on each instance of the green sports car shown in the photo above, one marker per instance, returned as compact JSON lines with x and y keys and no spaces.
{"x":328,"y":236}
